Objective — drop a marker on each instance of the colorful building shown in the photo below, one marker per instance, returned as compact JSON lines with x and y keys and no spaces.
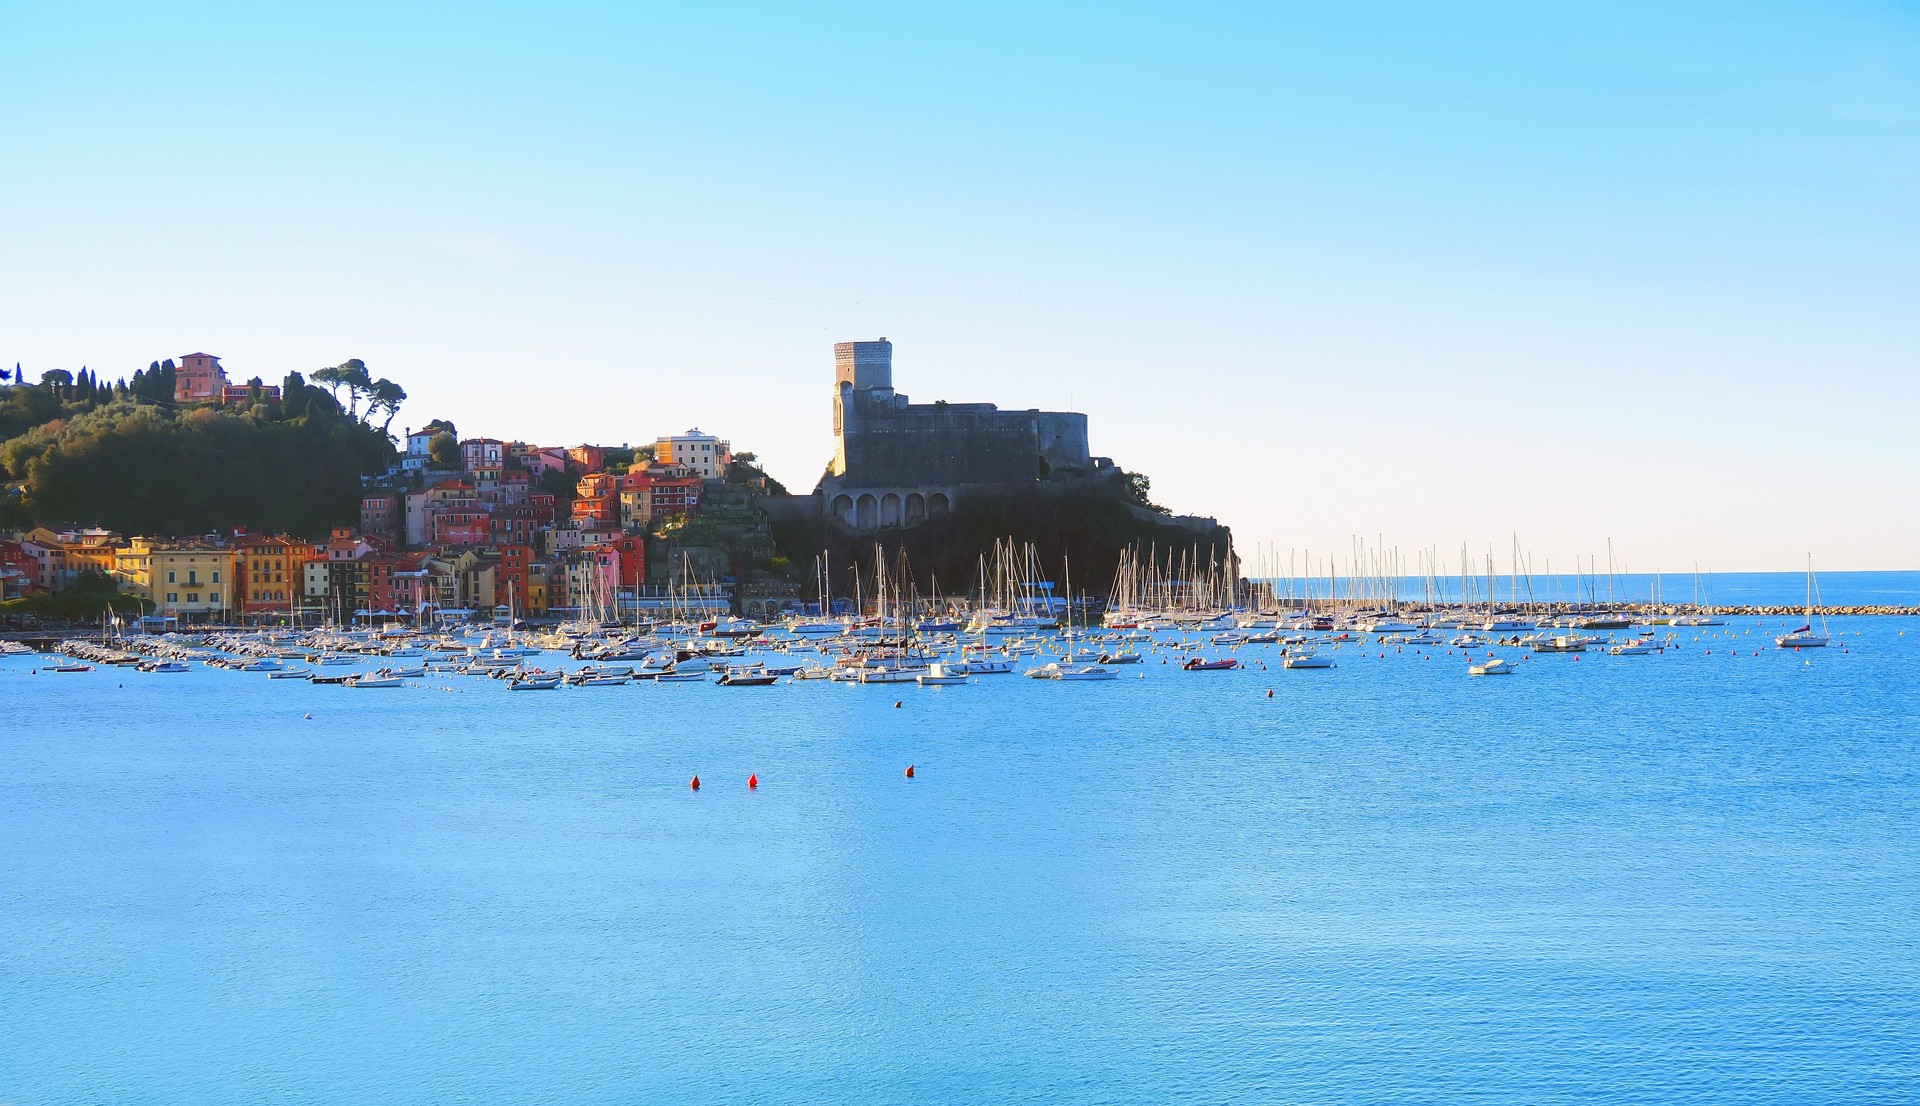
{"x":199,"y":379}
{"x":190,"y":580}
{"x":702,"y":454}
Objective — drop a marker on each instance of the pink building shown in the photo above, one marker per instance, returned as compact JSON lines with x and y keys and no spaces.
{"x":199,"y":377}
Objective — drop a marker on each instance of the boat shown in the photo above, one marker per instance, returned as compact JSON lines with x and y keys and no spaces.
{"x":1806,"y":637}
{"x":1637,"y":648}
{"x":1201,"y":664}
{"x":1492,"y":666}
{"x":942,"y":675}
{"x":534,"y":683}
{"x":69,"y":668}
{"x":984,"y":667}
{"x":1043,"y":672}
{"x":162,"y":666}
{"x":1124,"y":656}
{"x":1084,"y":672}
{"x":291,"y":674}
{"x":1560,"y":643}
{"x":375,"y":680}
{"x":609,"y":680}
{"x":1305,"y":659}
{"x":747,"y":679}
{"x":881,"y":674}
{"x":340,"y":679}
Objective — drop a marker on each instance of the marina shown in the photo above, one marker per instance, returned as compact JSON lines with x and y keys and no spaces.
{"x":1711,"y":841}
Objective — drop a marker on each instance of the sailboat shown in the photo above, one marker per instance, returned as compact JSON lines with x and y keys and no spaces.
{"x":1805,"y":637}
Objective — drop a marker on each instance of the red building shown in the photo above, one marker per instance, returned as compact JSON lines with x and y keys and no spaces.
{"x":632,"y":551}
{"x":19,"y":571}
{"x":241,"y":393}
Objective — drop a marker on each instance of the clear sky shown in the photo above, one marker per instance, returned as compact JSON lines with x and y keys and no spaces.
{"x":1641,"y":272}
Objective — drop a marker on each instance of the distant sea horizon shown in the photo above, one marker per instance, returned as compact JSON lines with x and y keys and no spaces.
{"x":1727,"y":589}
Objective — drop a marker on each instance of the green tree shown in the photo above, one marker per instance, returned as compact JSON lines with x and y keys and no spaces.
{"x":387,"y":396}
{"x":443,"y":449}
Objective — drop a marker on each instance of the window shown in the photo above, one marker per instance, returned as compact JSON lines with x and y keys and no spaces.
{"x":170,"y":578}
{"x":216,"y":575}
{"x":173,"y":597}
{"x":193,"y":597}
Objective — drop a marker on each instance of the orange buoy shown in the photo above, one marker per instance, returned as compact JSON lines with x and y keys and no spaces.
{"x":753,"y":781}
{"x":909,"y":771}
{"x":695,"y":785}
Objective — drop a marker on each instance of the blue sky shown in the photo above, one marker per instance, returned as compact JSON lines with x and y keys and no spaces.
{"x":1645,"y":273}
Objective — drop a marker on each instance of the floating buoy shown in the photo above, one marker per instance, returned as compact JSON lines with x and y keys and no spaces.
{"x":753,"y":781}
{"x":909,"y":771}
{"x":695,"y":785}
{"x":308,"y":716}
{"x":1269,"y":693}
{"x":898,"y":703}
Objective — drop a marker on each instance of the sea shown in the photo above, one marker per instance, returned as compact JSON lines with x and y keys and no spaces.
{"x":1690,"y":877}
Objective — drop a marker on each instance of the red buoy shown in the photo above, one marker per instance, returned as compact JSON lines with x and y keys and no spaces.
{"x":753,"y":781}
{"x":897,"y":704}
{"x":1269,"y":693}
{"x":909,"y":771}
{"x":695,"y":785}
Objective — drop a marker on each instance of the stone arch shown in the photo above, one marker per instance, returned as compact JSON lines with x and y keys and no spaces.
{"x":867,"y":512}
{"x":916,"y":508}
{"x":843,"y":508}
{"x":890,"y":509}
{"x":939,"y":504}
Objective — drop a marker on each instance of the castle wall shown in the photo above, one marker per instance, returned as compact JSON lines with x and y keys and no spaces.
{"x":896,"y":463}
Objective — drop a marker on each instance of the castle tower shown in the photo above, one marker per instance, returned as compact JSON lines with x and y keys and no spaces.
{"x":864,"y":365}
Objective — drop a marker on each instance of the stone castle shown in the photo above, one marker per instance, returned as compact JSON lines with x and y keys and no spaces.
{"x":896,"y":463}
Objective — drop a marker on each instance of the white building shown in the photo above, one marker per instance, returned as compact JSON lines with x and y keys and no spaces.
{"x":703,"y":454}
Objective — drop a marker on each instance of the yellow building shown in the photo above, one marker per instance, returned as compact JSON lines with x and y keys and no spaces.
{"x":131,"y":566}
{"x":188,"y":579}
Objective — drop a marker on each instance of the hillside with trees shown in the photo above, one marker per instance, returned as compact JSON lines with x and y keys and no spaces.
{"x":127,"y":457}
{"x":1083,"y":526}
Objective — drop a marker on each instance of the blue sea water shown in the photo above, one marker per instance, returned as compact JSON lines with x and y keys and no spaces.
{"x":1685,"y":878}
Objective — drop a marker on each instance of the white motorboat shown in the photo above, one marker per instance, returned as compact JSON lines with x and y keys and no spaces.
{"x":1084,"y":672}
{"x":374,"y":681}
{"x":983,"y":667}
{"x":1306,"y":659}
{"x":1492,"y":666}
{"x":941,"y":675}
{"x":881,"y":674}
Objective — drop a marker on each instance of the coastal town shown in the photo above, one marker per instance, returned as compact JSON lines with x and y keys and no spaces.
{"x":462,"y":527}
